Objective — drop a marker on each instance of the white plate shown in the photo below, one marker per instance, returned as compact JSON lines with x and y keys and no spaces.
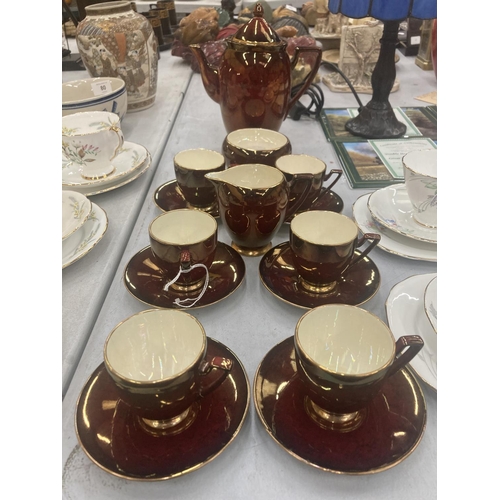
{"x":86,"y":238}
{"x":406,"y":316}
{"x":93,"y":190}
{"x":391,"y":207}
{"x":75,"y":211}
{"x":389,"y":240}
{"x":430,"y":303}
{"x":132,"y":157}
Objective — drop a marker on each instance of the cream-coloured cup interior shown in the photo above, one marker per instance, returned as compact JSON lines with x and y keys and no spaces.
{"x":199,"y":159}
{"x":300,"y":164}
{"x":250,"y":176}
{"x":88,"y":122}
{"x":345,"y":339}
{"x":183,"y":227}
{"x":256,"y":139}
{"x":324,"y":228}
{"x":155,"y":345}
{"x":81,"y":90}
{"x":422,"y":162}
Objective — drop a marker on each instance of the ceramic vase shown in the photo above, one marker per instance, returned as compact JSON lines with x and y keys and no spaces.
{"x":113,"y":40}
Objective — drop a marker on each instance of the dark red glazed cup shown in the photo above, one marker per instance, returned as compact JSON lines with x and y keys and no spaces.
{"x":344,"y":355}
{"x":190,"y":168}
{"x":255,"y":145}
{"x":157,"y":358}
{"x":323,"y":246}
{"x":181,"y":239}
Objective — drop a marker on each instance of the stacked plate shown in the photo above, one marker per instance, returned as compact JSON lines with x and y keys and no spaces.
{"x":412,"y":310}
{"x":130,"y":163}
{"x":83,"y":226}
{"x":388,"y":212}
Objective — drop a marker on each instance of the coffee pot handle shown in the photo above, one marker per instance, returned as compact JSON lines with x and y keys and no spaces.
{"x":407,"y":347}
{"x":310,"y":77}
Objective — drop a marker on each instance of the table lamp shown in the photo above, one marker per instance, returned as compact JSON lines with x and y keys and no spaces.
{"x":377,"y":120}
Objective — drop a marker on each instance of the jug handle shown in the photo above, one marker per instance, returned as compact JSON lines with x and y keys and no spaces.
{"x":300,"y":200}
{"x":310,"y":77}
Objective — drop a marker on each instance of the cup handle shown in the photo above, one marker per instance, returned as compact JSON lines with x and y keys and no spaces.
{"x":407,"y":347}
{"x":290,"y":209}
{"x":367,"y":236}
{"x":185,"y":260}
{"x":325,"y":190}
{"x":220,"y":367}
{"x":119,"y":133}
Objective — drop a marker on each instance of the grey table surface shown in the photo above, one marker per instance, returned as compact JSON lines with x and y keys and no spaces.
{"x":250,"y":322}
{"x":86,"y":282}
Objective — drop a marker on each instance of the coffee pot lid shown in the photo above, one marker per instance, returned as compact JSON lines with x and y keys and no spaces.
{"x":257,"y":29}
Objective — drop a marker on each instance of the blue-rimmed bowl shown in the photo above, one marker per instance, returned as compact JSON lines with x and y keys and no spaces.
{"x":95,"y":94}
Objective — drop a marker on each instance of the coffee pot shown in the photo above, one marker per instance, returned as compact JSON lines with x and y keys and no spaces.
{"x":253,"y":82}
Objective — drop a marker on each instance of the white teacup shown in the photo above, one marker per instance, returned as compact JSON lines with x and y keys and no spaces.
{"x":420,"y":170}
{"x":92,"y":140}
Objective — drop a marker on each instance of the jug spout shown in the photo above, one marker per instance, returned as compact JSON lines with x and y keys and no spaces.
{"x":209,"y":74}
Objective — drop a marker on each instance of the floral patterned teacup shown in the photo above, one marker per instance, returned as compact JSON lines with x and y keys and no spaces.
{"x":92,"y":140}
{"x":420,"y":170}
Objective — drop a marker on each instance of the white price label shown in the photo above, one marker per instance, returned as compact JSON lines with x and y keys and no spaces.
{"x":101,"y":88}
{"x":414,"y":40}
{"x":291,"y":7}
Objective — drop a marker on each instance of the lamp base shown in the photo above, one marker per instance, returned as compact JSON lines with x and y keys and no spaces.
{"x":376,"y":120}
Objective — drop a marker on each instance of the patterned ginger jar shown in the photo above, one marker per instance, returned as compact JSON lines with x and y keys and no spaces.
{"x":115,"y":41}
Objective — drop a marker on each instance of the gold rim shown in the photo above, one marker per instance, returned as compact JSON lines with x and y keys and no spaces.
{"x":269,"y":430}
{"x":186,"y":471}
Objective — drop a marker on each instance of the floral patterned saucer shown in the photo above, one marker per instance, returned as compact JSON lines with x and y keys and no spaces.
{"x":430,"y":302}
{"x":391,"y":207}
{"x":131,"y":157}
{"x":110,"y":433}
{"x":75,"y":211}
{"x":81,"y":242}
{"x":393,"y":428}
{"x":406,"y":316}
{"x":391,"y":241}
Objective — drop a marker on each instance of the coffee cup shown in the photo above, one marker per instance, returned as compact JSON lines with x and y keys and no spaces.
{"x":190,"y":168}
{"x":183,"y":244}
{"x":420,"y":172}
{"x":344,"y":355}
{"x":255,"y":145}
{"x":157,"y":358}
{"x":294,"y":164}
{"x":92,"y":139}
{"x":323,"y":247}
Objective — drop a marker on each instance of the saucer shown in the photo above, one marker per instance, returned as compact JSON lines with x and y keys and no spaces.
{"x":406,"y":316}
{"x":81,"y":242}
{"x":393,"y":428}
{"x":75,"y":211}
{"x":145,"y":281}
{"x":391,"y":207}
{"x":109,"y":432}
{"x":131,"y":157}
{"x":391,"y":241}
{"x":114,"y":184}
{"x":330,"y":202}
{"x":430,"y":302}
{"x":169,"y":197}
{"x":358,"y":284}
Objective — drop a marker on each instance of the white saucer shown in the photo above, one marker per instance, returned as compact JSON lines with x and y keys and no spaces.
{"x":75,"y":211}
{"x":115,"y":183}
{"x":132,"y":157}
{"x":86,"y":238}
{"x":391,"y":207}
{"x":391,"y":241}
{"x":430,"y":303}
{"x":406,"y":316}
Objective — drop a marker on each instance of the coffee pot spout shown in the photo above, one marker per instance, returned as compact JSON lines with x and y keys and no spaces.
{"x":209,"y":74}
